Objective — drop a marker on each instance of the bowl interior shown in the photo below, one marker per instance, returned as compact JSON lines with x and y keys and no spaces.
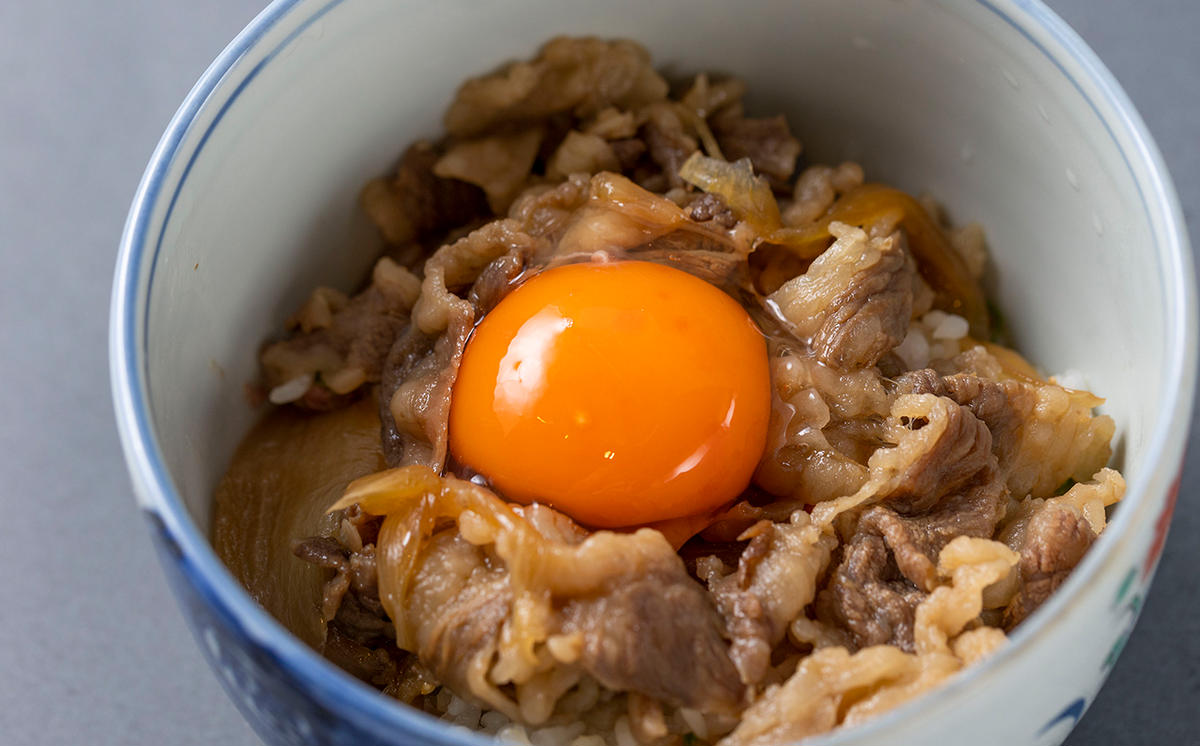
{"x":950,"y":101}
{"x":259,"y":204}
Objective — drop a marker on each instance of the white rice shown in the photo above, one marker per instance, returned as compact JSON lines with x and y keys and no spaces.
{"x":914,"y":350}
{"x":950,"y":327}
{"x":460,"y":710}
{"x":935,"y":336}
{"x":286,"y":393}
{"x":593,"y":723}
{"x":513,"y":734}
{"x":557,"y":736}
{"x":624,"y":733}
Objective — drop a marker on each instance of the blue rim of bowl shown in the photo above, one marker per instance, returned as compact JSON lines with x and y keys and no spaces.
{"x":344,"y":694}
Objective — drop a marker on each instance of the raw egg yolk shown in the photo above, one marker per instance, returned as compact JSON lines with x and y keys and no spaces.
{"x":619,"y":393}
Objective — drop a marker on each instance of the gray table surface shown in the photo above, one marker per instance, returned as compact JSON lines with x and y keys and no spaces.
{"x":93,"y":649}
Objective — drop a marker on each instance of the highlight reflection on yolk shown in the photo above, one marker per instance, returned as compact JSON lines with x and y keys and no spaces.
{"x":620,"y":393}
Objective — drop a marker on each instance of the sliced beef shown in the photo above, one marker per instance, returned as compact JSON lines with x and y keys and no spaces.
{"x":646,"y":625}
{"x":812,"y":196}
{"x":340,"y":344}
{"x":1056,"y":538}
{"x":916,"y":540}
{"x":628,"y":151}
{"x":583,"y":76}
{"x":499,"y":164}
{"x":767,"y":142}
{"x":1042,"y":434}
{"x":656,"y":634}
{"x":328,"y":553}
{"x":582,"y":153}
{"x":379,"y":665}
{"x":668,"y":143}
{"x":939,"y":482}
{"x":776,"y":578}
{"x":620,"y":217}
{"x":546,"y":211}
{"x":697,"y":254}
{"x":351,"y":599}
{"x":935,"y":448}
{"x":496,"y":281}
{"x":960,"y":455}
{"x":950,"y":488}
{"x":994,"y":402}
{"x":358,"y":528}
{"x":869,"y":317}
{"x":698,"y":551}
{"x":824,"y":426}
{"x":612,"y":124}
{"x":854,"y":303}
{"x":868,"y":596}
{"x":455,"y":611}
{"x":421,"y":366}
{"x":360,"y":618}
{"x":708,"y":207}
{"x":323,"y":552}
{"x":619,"y":607}
{"x":470,"y":604}
{"x":415,"y":204}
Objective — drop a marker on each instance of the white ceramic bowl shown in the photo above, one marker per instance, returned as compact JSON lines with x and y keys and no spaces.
{"x":994,"y":106}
